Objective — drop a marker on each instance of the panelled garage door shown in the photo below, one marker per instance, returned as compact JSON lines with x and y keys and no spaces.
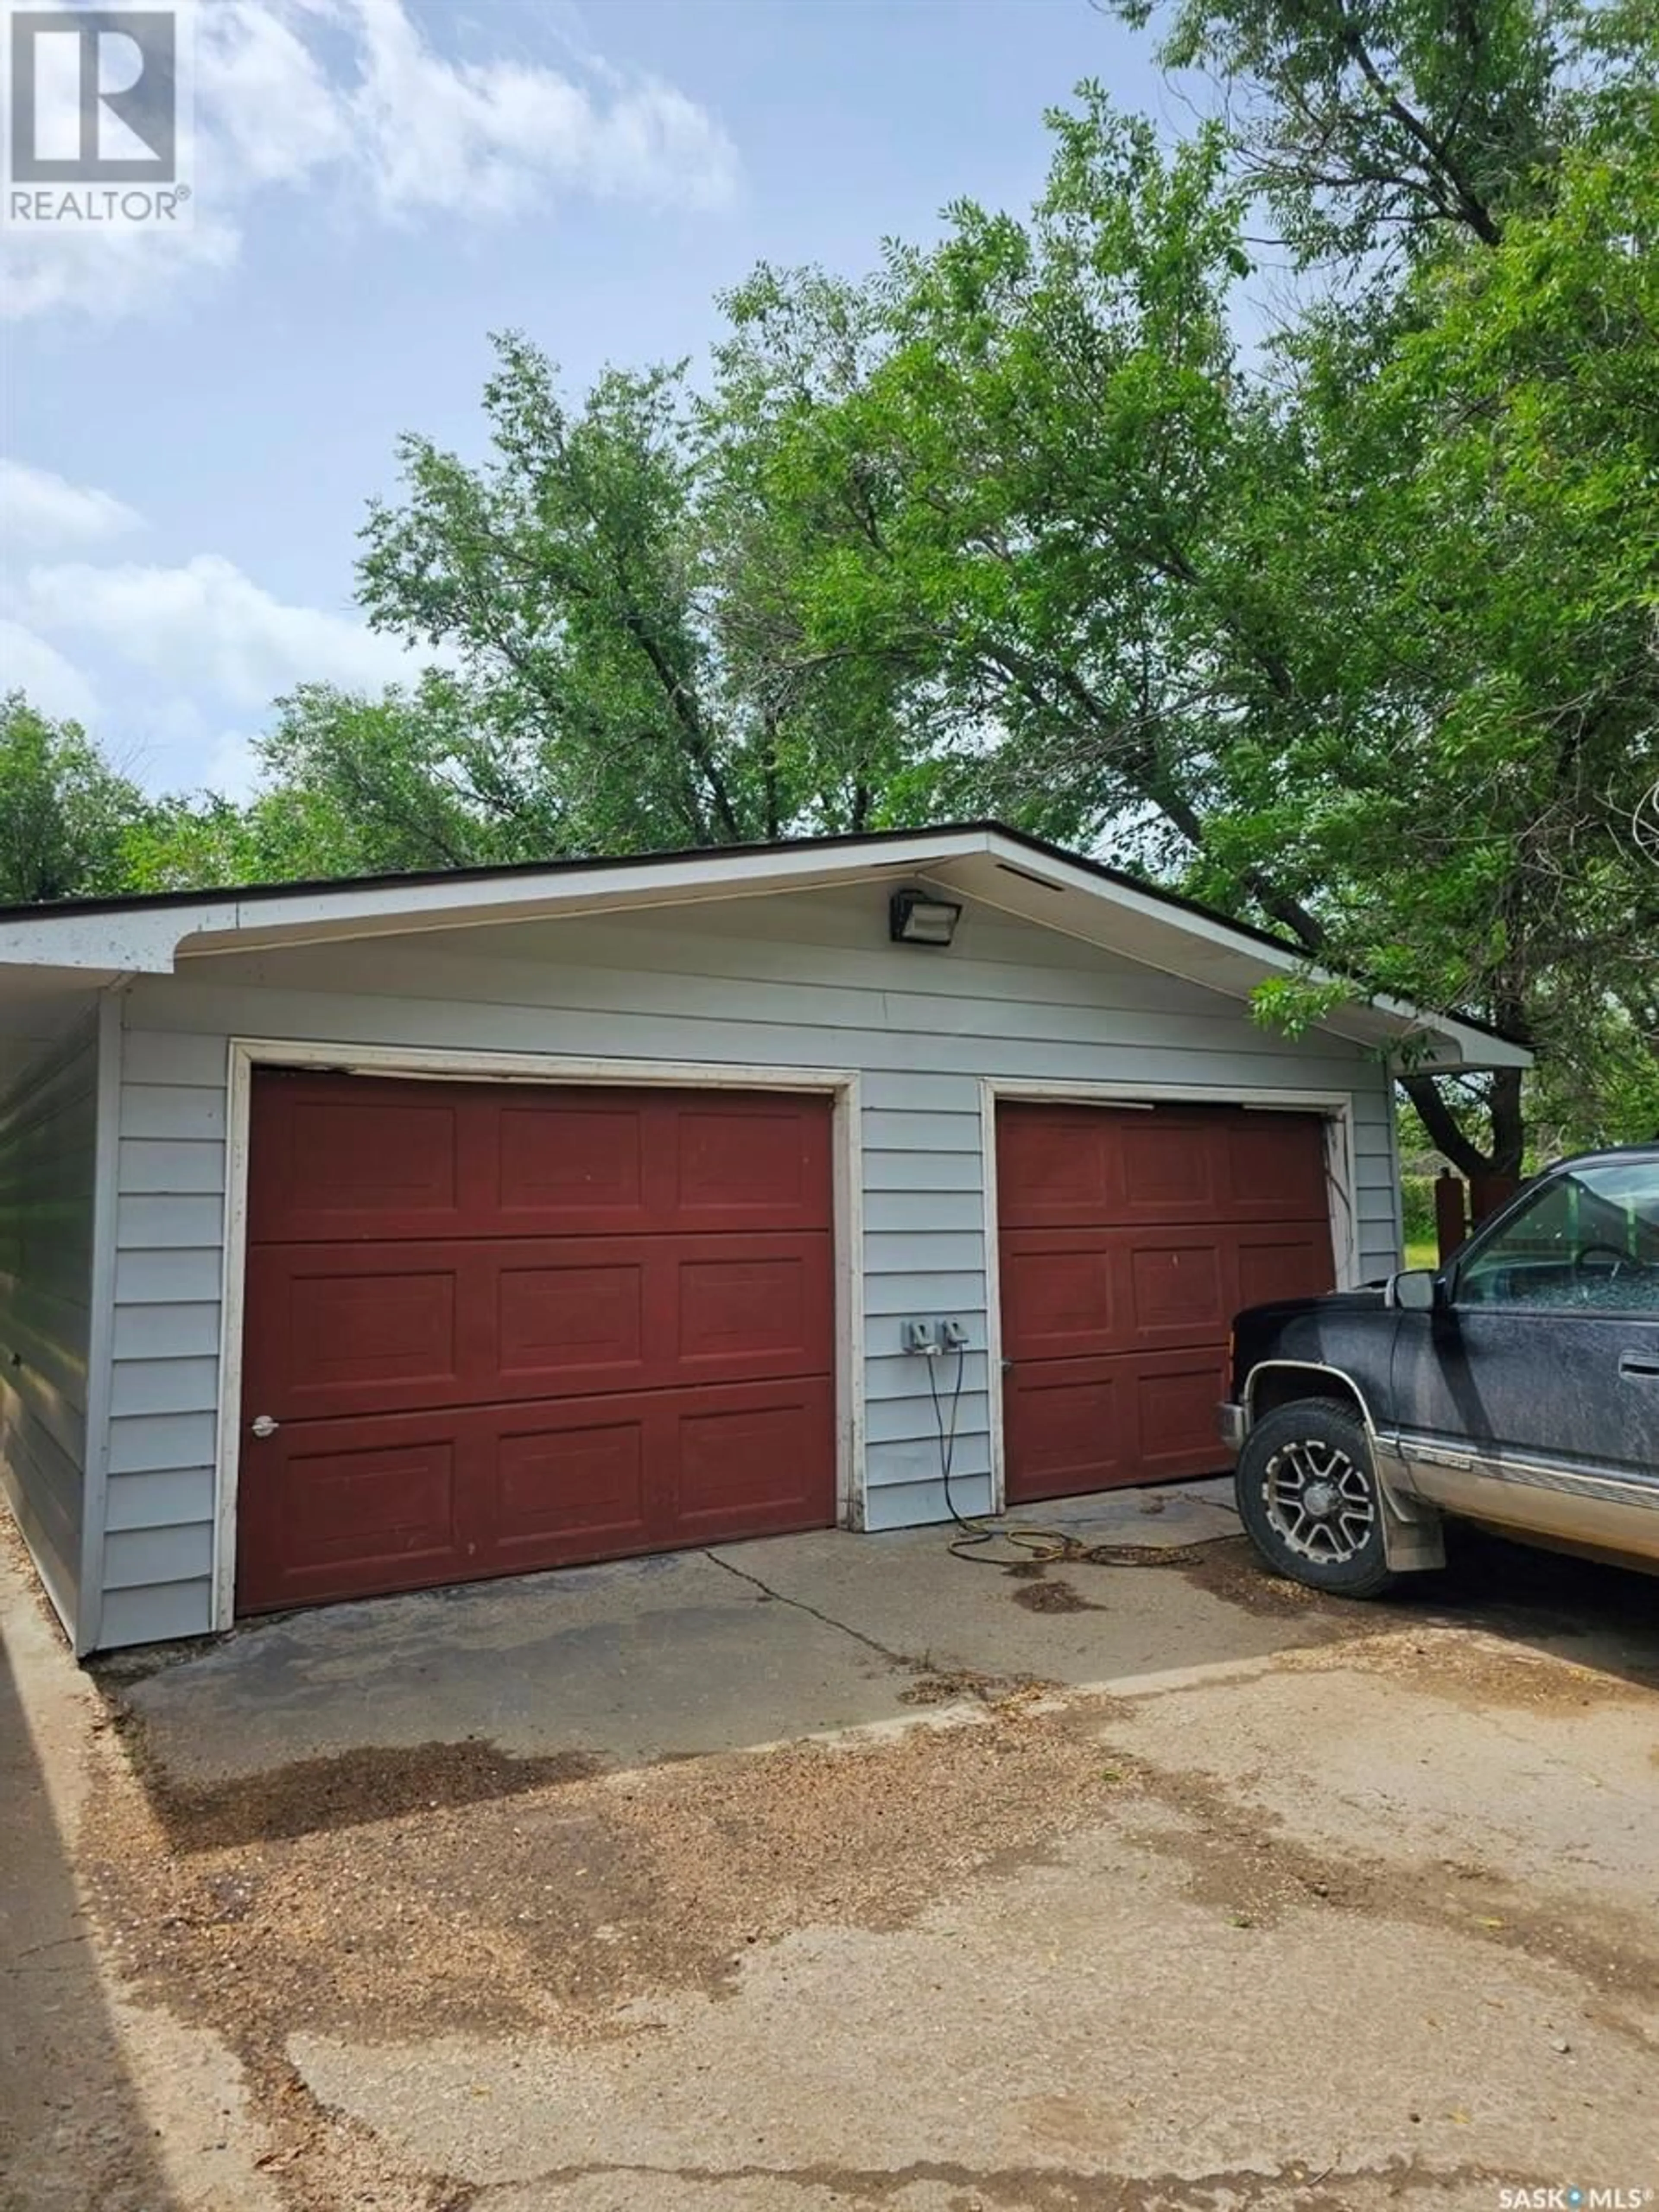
{"x":501,"y":1328}
{"x":1128,"y":1238}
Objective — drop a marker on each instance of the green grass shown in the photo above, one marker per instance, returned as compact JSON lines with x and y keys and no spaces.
{"x":1424,"y":1253}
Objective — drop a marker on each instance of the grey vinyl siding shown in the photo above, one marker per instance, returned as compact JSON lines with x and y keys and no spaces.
{"x":48,"y":1181}
{"x":807,"y":982}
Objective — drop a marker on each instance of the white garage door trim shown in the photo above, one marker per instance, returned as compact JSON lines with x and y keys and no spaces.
{"x":1335,"y":1106}
{"x":246,"y":1053}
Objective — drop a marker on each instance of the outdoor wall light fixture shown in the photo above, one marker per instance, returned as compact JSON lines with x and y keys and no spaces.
{"x":918,"y":918}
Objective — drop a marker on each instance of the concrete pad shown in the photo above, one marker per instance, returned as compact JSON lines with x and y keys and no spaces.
{"x":1364,"y":1922}
{"x":1044,"y":2028}
{"x":1538,"y":1773}
{"x":693,"y":1652}
{"x":645,"y":1660}
{"x":909,"y":1592}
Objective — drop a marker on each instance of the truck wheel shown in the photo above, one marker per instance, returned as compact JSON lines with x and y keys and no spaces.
{"x":1309,"y":1499}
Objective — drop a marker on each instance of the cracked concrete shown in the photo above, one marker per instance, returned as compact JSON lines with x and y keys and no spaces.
{"x":1252,"y":1903}
{"x":761,"y":1642}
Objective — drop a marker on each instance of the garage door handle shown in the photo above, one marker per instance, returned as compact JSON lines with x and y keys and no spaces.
{"x":1636,"y":1366}
{"x":263,"y":1426}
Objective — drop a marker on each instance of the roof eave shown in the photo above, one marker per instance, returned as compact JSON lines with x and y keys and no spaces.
{"x":1004,"y":869}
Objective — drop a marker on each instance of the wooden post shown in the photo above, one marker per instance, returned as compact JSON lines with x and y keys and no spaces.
{"x":1451,"y":1222}
{"x":1488,"y":1192}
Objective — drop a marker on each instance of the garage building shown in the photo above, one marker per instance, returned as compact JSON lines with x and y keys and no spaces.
{"x":365,"y":1236}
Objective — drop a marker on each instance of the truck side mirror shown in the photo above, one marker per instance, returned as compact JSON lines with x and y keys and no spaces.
{"x":1417,"y":1290}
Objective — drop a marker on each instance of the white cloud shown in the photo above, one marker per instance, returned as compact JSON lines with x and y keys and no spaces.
{"x":55,"y":685}
{"x":210,"y":626}
{"x":40,"y":512}
{"x":233,"y":766}
{"x":106,"y":274}
{"x":489,"y":139}
{"x":397,"y":131}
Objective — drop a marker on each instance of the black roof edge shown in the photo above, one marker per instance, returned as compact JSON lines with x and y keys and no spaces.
{"x":505,"y":871}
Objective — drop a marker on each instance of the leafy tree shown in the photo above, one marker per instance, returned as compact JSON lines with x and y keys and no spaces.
{"x":1352,"y":629}
{"x":616,"y":695}
{"x":65,"y":816}
{"x":1372,"y":127}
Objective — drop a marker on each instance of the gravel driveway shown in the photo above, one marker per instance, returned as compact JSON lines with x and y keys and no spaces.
{"x":1359,"y":1908}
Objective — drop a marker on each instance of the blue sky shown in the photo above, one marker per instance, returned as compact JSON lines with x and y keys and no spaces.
{"x":193,"y":427}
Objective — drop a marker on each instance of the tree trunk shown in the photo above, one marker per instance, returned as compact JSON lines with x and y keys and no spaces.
{"x":1506,"y":1128}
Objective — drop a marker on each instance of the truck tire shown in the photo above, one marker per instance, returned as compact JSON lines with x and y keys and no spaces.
{"x":1309,"y":1500}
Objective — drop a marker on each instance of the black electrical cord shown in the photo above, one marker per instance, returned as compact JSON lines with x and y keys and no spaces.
{"x":1036,"y":1546}
{"x":947,"y":1435}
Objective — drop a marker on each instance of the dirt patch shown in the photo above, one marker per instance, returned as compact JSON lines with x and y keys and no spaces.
{"x":1231,"y":1569}
{"x":1241,"y":1862}
{"x":953,"y":1686}
{"x":1056,"y":1596}
{"x":560,"y":1900}
{"x":352,"y":1789}
{"x":1478,"y":1671}
{"x":546,"y":1906}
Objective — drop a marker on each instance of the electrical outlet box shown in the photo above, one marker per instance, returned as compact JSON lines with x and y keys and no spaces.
{"x":953,"y":1333}
{"x":920,"y":1335}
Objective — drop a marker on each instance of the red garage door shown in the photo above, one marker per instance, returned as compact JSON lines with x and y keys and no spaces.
{"x":500,"y":1329}
{"x":1129,"y":1237}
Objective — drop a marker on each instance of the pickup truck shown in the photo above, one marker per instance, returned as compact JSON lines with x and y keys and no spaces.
{"x":1517,"y":1386}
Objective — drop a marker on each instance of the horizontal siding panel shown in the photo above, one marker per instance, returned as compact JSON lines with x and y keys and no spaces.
{"x":160,"y":1163}
{"x":157,"y":1613}
{"x":53,"y":1547}
{"x":689,"y":970}
{"x":134,"y":1558}
{"x":44,"y":1465}
{"x":44,"y":1349}
{"x":917,"y":1505}
{"x":170,"y":1331}
{"x":165,"y":1109}
{"x":139,"y":1441}
{"x":55,"y":1414}
{"x":173,"y":1057}
{"x":900,"y":1090}
{"x":825,"y":1008}
{"x":922,"y":1213}
{"x":905,"y":1420}
{"x":924,"y":1171}
{"x":898,"y":1374}
{"x":1244,"y":1060}
{"x":166,"y":1277}
{"x":895,"y":1253}
{"x":165,"y":1385}
{"x":162,"y":1500}
{"x":917,"y":1291}
{"x":917,"y":1461}
{"x":163,"y":1222}
{"x":48,"y":1151}
{"x":894,"y":1129}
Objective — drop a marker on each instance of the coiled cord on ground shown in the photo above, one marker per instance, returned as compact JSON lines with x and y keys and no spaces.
{"x":1030,"y":1546}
